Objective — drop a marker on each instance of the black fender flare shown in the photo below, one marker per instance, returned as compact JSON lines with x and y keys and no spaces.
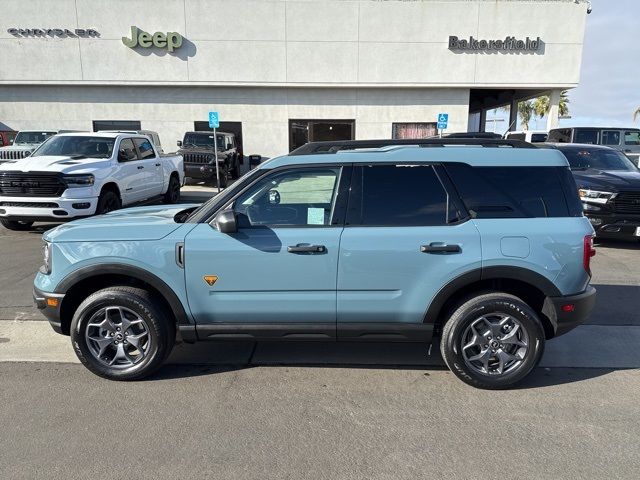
{"x":525,"y":275}
{"x":89,"y":271}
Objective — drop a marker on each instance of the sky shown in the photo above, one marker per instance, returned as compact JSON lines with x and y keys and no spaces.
{"x":609,"y":89}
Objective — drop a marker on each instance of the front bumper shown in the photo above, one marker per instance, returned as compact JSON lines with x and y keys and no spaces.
{"x":615,"y":225}
{"x":566,"y":319}
{"x":45,"y":303}
{"x":46,"y":208}
{"x":203,"y":172}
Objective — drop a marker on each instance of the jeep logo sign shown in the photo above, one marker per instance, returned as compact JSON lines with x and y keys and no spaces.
{"x":170,"y":41}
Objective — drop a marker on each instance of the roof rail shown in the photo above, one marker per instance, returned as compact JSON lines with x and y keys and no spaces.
{"x":313,"y":148}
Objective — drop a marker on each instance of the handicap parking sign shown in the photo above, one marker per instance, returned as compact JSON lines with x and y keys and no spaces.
{"x":443,"y":120}
{"x":213,"y":120}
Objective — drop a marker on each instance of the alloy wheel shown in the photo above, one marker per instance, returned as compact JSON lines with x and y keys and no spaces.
{"x":495,"y":344}
{"x":117,"y":337}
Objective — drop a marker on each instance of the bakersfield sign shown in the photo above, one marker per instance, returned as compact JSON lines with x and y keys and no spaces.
{"x":169,"y":41}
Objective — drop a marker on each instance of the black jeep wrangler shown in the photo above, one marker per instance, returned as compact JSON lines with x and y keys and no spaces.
{"x":198,"y":150}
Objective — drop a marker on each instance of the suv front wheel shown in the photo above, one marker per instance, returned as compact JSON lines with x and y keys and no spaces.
{"x":120,"y":333}
{"x":492,"y":341}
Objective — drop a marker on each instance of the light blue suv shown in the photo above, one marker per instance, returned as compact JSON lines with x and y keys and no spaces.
{"x":479,"y":244}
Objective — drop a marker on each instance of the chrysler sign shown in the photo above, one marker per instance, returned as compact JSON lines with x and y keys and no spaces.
{"x":509,"y":44}
{"x":53,"y":32}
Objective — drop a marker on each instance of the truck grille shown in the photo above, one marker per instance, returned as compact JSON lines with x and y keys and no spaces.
{"x":627,"y":202}
{"x":33,"y":184}
{"x":13,"y":154}
{"x":198,"y":158}
{"x":29,"y":204}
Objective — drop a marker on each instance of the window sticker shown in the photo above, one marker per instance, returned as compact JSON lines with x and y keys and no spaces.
{"x":315,"y":216}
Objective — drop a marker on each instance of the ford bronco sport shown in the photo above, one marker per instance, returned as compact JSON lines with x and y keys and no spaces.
{"x":479,"y":245}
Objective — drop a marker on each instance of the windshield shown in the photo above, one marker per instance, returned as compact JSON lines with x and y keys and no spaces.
{"x":77,"y":146}
{"x":32,"y":137}
{"x":200,"y":214}
{"x":599,"y":159}
{"x":202,"y":140}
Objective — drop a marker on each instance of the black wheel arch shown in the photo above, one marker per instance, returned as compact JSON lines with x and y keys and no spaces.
{"x":526,"y":284}
{"x":75,"y":288}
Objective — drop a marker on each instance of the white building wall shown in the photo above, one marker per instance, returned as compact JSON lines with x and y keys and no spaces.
{"x":264,"y":112}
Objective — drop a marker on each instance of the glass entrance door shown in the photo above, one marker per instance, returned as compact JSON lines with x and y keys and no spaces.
{"x":304,"y":131}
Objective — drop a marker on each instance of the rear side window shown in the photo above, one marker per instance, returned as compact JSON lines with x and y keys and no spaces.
{"x":631,"y":138}
{"x":538,"y":137}
{"x":397,"y":195}
{"x":516,"y":136}
{"x":516,"y":192}
{"x":144,"y":147}
{"x":586,"y":136}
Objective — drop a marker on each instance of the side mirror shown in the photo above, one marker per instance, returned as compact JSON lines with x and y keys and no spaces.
{"x":225,"y":222}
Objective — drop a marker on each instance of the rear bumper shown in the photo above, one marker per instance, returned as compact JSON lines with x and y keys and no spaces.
{"x":565,"y":321}
{"x":43,"y":302}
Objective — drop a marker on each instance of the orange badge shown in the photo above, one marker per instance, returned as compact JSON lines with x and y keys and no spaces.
{"x":210,"y":279}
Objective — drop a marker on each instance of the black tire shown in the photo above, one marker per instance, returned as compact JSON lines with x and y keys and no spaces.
{"x":108,"y":202}
{"x":161,"y":331}
{"x":173,"y":191}
{"x":15,"y":224}
{"x":466,"y":314}
{"x":224,"y":177}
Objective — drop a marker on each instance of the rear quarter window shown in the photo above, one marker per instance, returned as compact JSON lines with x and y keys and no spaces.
{"x":516,"y":192}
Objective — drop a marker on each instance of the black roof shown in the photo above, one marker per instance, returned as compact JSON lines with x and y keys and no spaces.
{"x":313,"y":148}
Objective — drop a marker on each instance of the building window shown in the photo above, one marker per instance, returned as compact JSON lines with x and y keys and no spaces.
{"x":100,"y":125}
{"x":414,"y":130}
{"x":304,"y":131}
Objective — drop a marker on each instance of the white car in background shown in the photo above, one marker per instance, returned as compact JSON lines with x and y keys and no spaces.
{"x":24,"y":144}
{"x":531,"y":136}
{"x":76,"y":175}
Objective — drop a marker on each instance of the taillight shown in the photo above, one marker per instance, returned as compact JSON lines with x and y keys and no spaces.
{"x":588,"y":252}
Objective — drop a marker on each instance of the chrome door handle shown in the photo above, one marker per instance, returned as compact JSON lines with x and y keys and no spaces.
{"x":306,"y":248}
{"x":441,"y":247}
{"x":140,"y":167}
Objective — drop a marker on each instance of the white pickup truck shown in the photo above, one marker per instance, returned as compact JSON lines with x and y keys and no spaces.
{"x":74,"y":175}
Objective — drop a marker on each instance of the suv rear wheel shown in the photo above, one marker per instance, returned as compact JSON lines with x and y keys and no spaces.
{"x":119,"y":333}
{"x":492,"y":341}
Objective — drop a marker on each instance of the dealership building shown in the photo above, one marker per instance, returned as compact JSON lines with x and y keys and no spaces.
{"x":282,"y":72}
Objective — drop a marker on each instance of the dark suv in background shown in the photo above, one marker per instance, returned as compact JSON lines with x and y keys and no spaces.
{"x":609,"y":187}
{"x":198,"y":151}
{"x":626,"y":140}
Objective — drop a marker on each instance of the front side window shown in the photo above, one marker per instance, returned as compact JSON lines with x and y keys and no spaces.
{"x":632,"y":138}
{"x":397,"y":195}
{"x":299,"y":197}
{"x":610,"y":137}
{"x":144,"y":147}
{"x":127,"y":151}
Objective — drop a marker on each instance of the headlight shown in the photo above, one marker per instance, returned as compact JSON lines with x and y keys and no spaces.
{"x":595,"y":196}
{"x":46,"y":259}
{"x":79,"y":180}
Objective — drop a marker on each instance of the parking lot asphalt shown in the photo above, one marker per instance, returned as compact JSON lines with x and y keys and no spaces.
{"x":315,"y":410}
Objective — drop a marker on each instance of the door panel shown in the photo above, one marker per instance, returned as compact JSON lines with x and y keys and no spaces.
{"x":384,"y":277}
{"x":131,"y":174}
{"x":258,"y":279}
{"x":152,"y":172}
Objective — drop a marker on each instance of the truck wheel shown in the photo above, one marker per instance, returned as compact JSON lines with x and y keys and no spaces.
{"x":173,"y":191}
{"x":15,"y":224}
{"x":492,"y":341}
{"x":108,"y":202}
{"x":121,"y":333}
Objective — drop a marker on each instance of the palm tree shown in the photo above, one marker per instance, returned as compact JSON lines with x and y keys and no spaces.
{"x":636,"y":114}
{"x":541,"y":105}
{"x":525,"y":111}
